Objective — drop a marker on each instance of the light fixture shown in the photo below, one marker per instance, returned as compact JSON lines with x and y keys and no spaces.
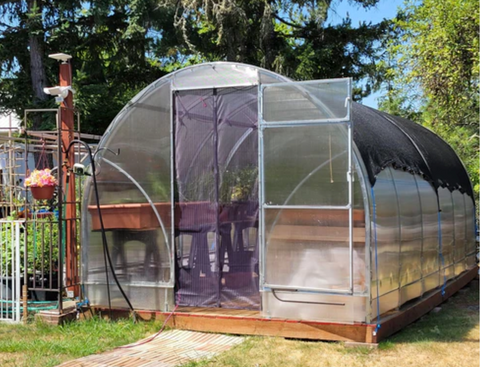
{"x":60,"y":93}
{"x":60,"y":57}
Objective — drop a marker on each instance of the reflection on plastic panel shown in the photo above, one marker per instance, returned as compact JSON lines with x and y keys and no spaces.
{"x":346,"y":309}
{"x":459,"y":220}
{"x":446,"y":206}
{"x":388,"y":236}
{"x":428,"y":199}
{"x":389,"y":301}
{"x":411,"y":291}
{"x":218,"y":75}
{"x":470,"y":225}
{"x":144,"y":298}
{"x":410,"y":228}
{"x":306,"y":101}
{"x":310,"y":248}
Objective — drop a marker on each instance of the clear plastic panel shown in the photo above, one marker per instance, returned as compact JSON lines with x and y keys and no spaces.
{"x":306,"y":165}
{"x":310,"y":248}
{"x":307,"y":101}
{"x":215,"y":75}
{"x":130,"y":180}
{"x":446,"y":205}
{"x":136,"y":243}
{"x":470,"y":225}
{"x":430,"y":262}
{"x":142,"y":140}
{"x":460,"y":235}
{"x":410,"y":227}
{"x":386,"y":226}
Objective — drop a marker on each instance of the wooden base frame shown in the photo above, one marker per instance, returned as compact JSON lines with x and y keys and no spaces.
{"x":244,"y":322}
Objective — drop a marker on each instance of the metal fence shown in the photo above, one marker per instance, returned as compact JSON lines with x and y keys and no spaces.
{"x":12,"y":238}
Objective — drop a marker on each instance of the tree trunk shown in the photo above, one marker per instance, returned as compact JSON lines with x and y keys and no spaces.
{"x":37,"y":67}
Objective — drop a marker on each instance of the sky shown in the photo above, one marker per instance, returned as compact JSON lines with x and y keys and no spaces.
{"x":384,"y":9}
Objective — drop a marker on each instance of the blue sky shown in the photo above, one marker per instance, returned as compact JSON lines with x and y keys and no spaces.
{"x":384,"y":9}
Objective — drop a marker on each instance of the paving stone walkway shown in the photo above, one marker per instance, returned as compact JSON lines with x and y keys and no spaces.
{"x":170,"y":348}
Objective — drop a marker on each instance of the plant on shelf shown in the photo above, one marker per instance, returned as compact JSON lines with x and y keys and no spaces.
{"x":238,"y":185}
{"x":42,"y":184}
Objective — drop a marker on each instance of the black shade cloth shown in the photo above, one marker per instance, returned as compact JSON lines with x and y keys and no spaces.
{"x":384,"y":140}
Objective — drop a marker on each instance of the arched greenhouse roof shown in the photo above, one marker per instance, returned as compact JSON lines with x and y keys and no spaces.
{"x":385,"y":140}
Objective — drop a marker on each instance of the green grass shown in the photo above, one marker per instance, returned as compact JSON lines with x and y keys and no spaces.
{"x":39,"y":344}
{"x":447,"y":338}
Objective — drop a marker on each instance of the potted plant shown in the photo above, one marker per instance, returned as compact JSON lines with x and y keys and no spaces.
{"x":42,"y":184}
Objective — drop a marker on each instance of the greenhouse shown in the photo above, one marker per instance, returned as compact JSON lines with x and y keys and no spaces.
{"x":227,"y":186}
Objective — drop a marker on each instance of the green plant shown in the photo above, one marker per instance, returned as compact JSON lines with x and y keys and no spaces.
{"x":238,"y":184}
{"x":41,"y":236}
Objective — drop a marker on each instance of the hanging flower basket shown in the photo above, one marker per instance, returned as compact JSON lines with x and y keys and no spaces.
{"x":42,"y":193}
{"x":42,"y":184}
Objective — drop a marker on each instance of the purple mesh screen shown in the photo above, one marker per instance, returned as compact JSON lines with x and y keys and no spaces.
{"x":217,"y":198}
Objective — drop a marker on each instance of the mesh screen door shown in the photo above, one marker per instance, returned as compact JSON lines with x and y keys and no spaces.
{"x":306,"y":196}
{"x":216,"y":197}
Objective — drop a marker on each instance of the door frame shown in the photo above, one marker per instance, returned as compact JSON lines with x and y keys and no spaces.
{"x":263,"y":126}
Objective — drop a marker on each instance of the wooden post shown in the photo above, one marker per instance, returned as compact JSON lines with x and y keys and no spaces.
{"x":25,"y":302}
{"x":67,"y":126}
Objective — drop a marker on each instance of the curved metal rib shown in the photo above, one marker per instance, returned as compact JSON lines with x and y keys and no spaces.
{"x":120,"y":169}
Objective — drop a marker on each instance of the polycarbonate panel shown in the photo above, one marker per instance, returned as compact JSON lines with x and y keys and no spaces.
{"x":142,"y":141}
{"x":306,"y":165}
{"x":215,"y":75}
{"x":410,"y":228}
{"x":138,"y":256}
{"x":460,"y":235}
{"x":446,"y":205}
{"x":314,"y":306}
{"x":470,"y":225}
{"x":310,"y":248}
{"x":430,"y":258}
{"x":141,"y":297}
{"x":386,"y":225}
{"x":133,"y":173}
{"x":307,"y":101}
{"x":387,"y":302}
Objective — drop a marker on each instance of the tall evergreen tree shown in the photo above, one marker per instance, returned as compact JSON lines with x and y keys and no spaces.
{"x":119,"y":46}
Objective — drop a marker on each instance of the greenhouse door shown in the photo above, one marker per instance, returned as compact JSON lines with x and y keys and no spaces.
{"x":306,"y":216}
{"x":216,"y":197}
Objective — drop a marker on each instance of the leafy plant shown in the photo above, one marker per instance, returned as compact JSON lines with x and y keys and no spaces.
{"x":41,"y":236}
{"x":238,"y":184}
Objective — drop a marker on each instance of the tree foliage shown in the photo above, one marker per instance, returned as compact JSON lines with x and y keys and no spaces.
{"x":292,"y":37}
{"x":434,"y":73}
{"x":119,"y":46}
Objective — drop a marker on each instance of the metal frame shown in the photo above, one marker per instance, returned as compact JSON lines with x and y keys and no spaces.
{"x":350,"y":169}
{"x":11,"y":307}
{"x":140,"y":188}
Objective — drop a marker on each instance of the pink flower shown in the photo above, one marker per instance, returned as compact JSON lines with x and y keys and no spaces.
{"x":40,"y":178}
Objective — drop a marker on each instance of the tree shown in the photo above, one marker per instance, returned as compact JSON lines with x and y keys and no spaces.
{"x":110,"y":44}
{"x":120,"y":46}
{"x":437,"y":72}
{"x":291,"y":37}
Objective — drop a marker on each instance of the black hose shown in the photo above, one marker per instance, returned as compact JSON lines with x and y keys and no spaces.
{"x":102,"y":228}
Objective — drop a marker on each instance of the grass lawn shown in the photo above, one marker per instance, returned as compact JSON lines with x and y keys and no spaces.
{"x":444,"y":339}
{"x":447,"y":338}
{"x":41,"y":345}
